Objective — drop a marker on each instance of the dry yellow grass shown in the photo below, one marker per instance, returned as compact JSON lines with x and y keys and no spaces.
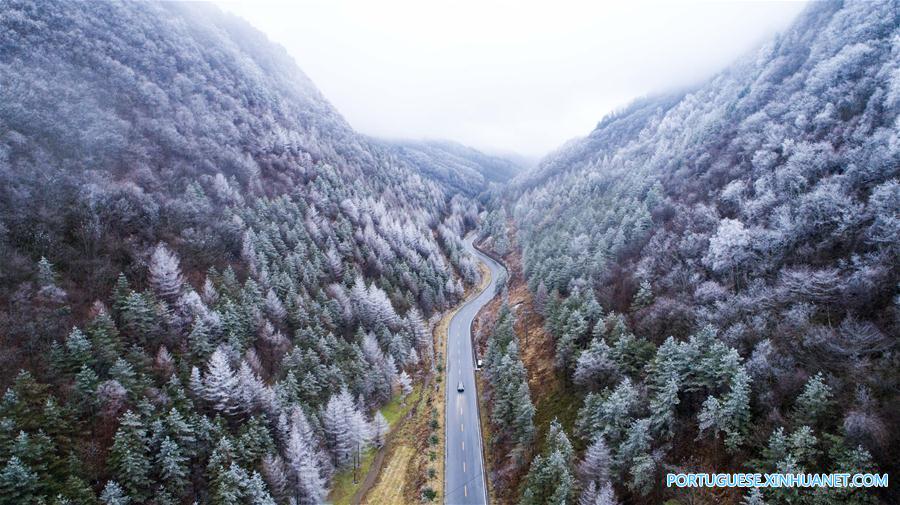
{"x":390,"y":486}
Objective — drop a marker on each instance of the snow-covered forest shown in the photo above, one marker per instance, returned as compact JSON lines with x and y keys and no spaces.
{"x":209,"y":282}
{"x":718,"y":271}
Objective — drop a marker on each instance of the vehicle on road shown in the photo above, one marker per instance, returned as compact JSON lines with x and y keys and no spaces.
{"x":460,"y":387}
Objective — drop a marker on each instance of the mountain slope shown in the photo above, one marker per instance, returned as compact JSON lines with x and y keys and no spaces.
{"x":755,"y":220}
{"x":210,"y":280}
{"x":456,"y":166}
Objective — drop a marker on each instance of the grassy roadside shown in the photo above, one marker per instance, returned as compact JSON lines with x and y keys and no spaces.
{"x":343,"y":487}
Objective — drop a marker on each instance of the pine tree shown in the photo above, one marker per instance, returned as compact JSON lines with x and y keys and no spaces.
{"x":18,"y":483}
{"x":549,"y":481}
{"x":124,"y":374}
{"x":219,"y":383}
{"x":138,"y":317}
{"x":380,"y":428}
{"x":274,"y":473}
{"x":181,"y":431}
{"x":813,"y":402}
{"x":595,"y":467}
{"x":736,"y":410}
{"x":165,"y":274}
{"x":105,"y":340}
{"x":256,"y":492}
{"x":86,"y":382}
{"x":662,"y":409}
{"x":346,"y":429}
{"x":549,"y":478}
{"x":594,"y":366}
{"x":46,"y":273}
{"x":643,"y":297}
{"x":522,"y":425}
{"x":129,"y":456}
{"x":307,"y":487}
{"x":575,"y":327}
{"x":634,"y":454}
{"x":79,"y":351}
{"x":172,"y":465}
{"x":249,"y":389}
{"x":195,"y":383}
{"x":228,"y":484}
{"x":606,"y":495}
{"x":405,"y":383}
{"x":120,"y":294}
{"x":588,"y":494}
{"x":274,"y":308}
{"x":114,"y":495}
{"x":754,"y":497}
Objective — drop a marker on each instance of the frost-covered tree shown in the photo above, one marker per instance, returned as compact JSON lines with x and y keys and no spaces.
{"x":405,"y":383}
{"x":172,"y":465}
{"x":304,"y":480}
{"x":594,"y":365}
{"x":814,"y":401}
{"x":18,"y":483}
{"x":130,"y":456}
{"x":346,"y":429}
{"x":549,"y":478}
{"x":165,"y":273}
{"x":595,"y":467}
{"x":114,"y":495}
{"x":380,"y":428}
{"x":220,"y":383}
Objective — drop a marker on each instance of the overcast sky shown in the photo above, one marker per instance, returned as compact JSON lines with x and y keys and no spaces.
{"x":514,"y":76}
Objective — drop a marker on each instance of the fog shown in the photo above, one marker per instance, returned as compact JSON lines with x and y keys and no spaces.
{"x":505,"y":76}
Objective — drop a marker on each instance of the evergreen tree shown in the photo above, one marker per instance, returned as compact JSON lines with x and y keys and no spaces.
{"x":114,"y":495}
{"x":522,"y":425}
{"x":380,"y":428}
{"x":549,"y":478}
{"x":405,"y":383}
{"x":138,"y":317}
{"x":129,"y":456}
{"x":606,"y":495}
{"x":662,"y":409}
{"x":79,"y":351}
{"x":220,"y":383}
{"x":105,"y":340}
{"x":813,"y":402}
{"x":18,"y":483}
{"x":172,"y":465}
{"x":595,"y":467}
{"x":46,"y":273}
{"x":304,"y":479}
{"x":754,"y":497}
{"x":594,"y":366}
{"x":165,"y":274}
{"x":86,"y":382}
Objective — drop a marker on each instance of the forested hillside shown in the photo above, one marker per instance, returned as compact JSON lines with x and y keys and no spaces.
{"x":456,"y":166}
{"x":741,"y":241}
{"x":209,"y":281}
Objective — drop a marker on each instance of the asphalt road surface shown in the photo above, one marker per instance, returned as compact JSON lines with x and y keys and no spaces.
{"x":464,"y":466}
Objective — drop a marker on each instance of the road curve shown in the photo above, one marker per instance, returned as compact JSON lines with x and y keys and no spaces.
{"x":464,"y":465}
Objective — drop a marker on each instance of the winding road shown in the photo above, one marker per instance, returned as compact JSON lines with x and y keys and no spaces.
{"x":464,"y":465}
